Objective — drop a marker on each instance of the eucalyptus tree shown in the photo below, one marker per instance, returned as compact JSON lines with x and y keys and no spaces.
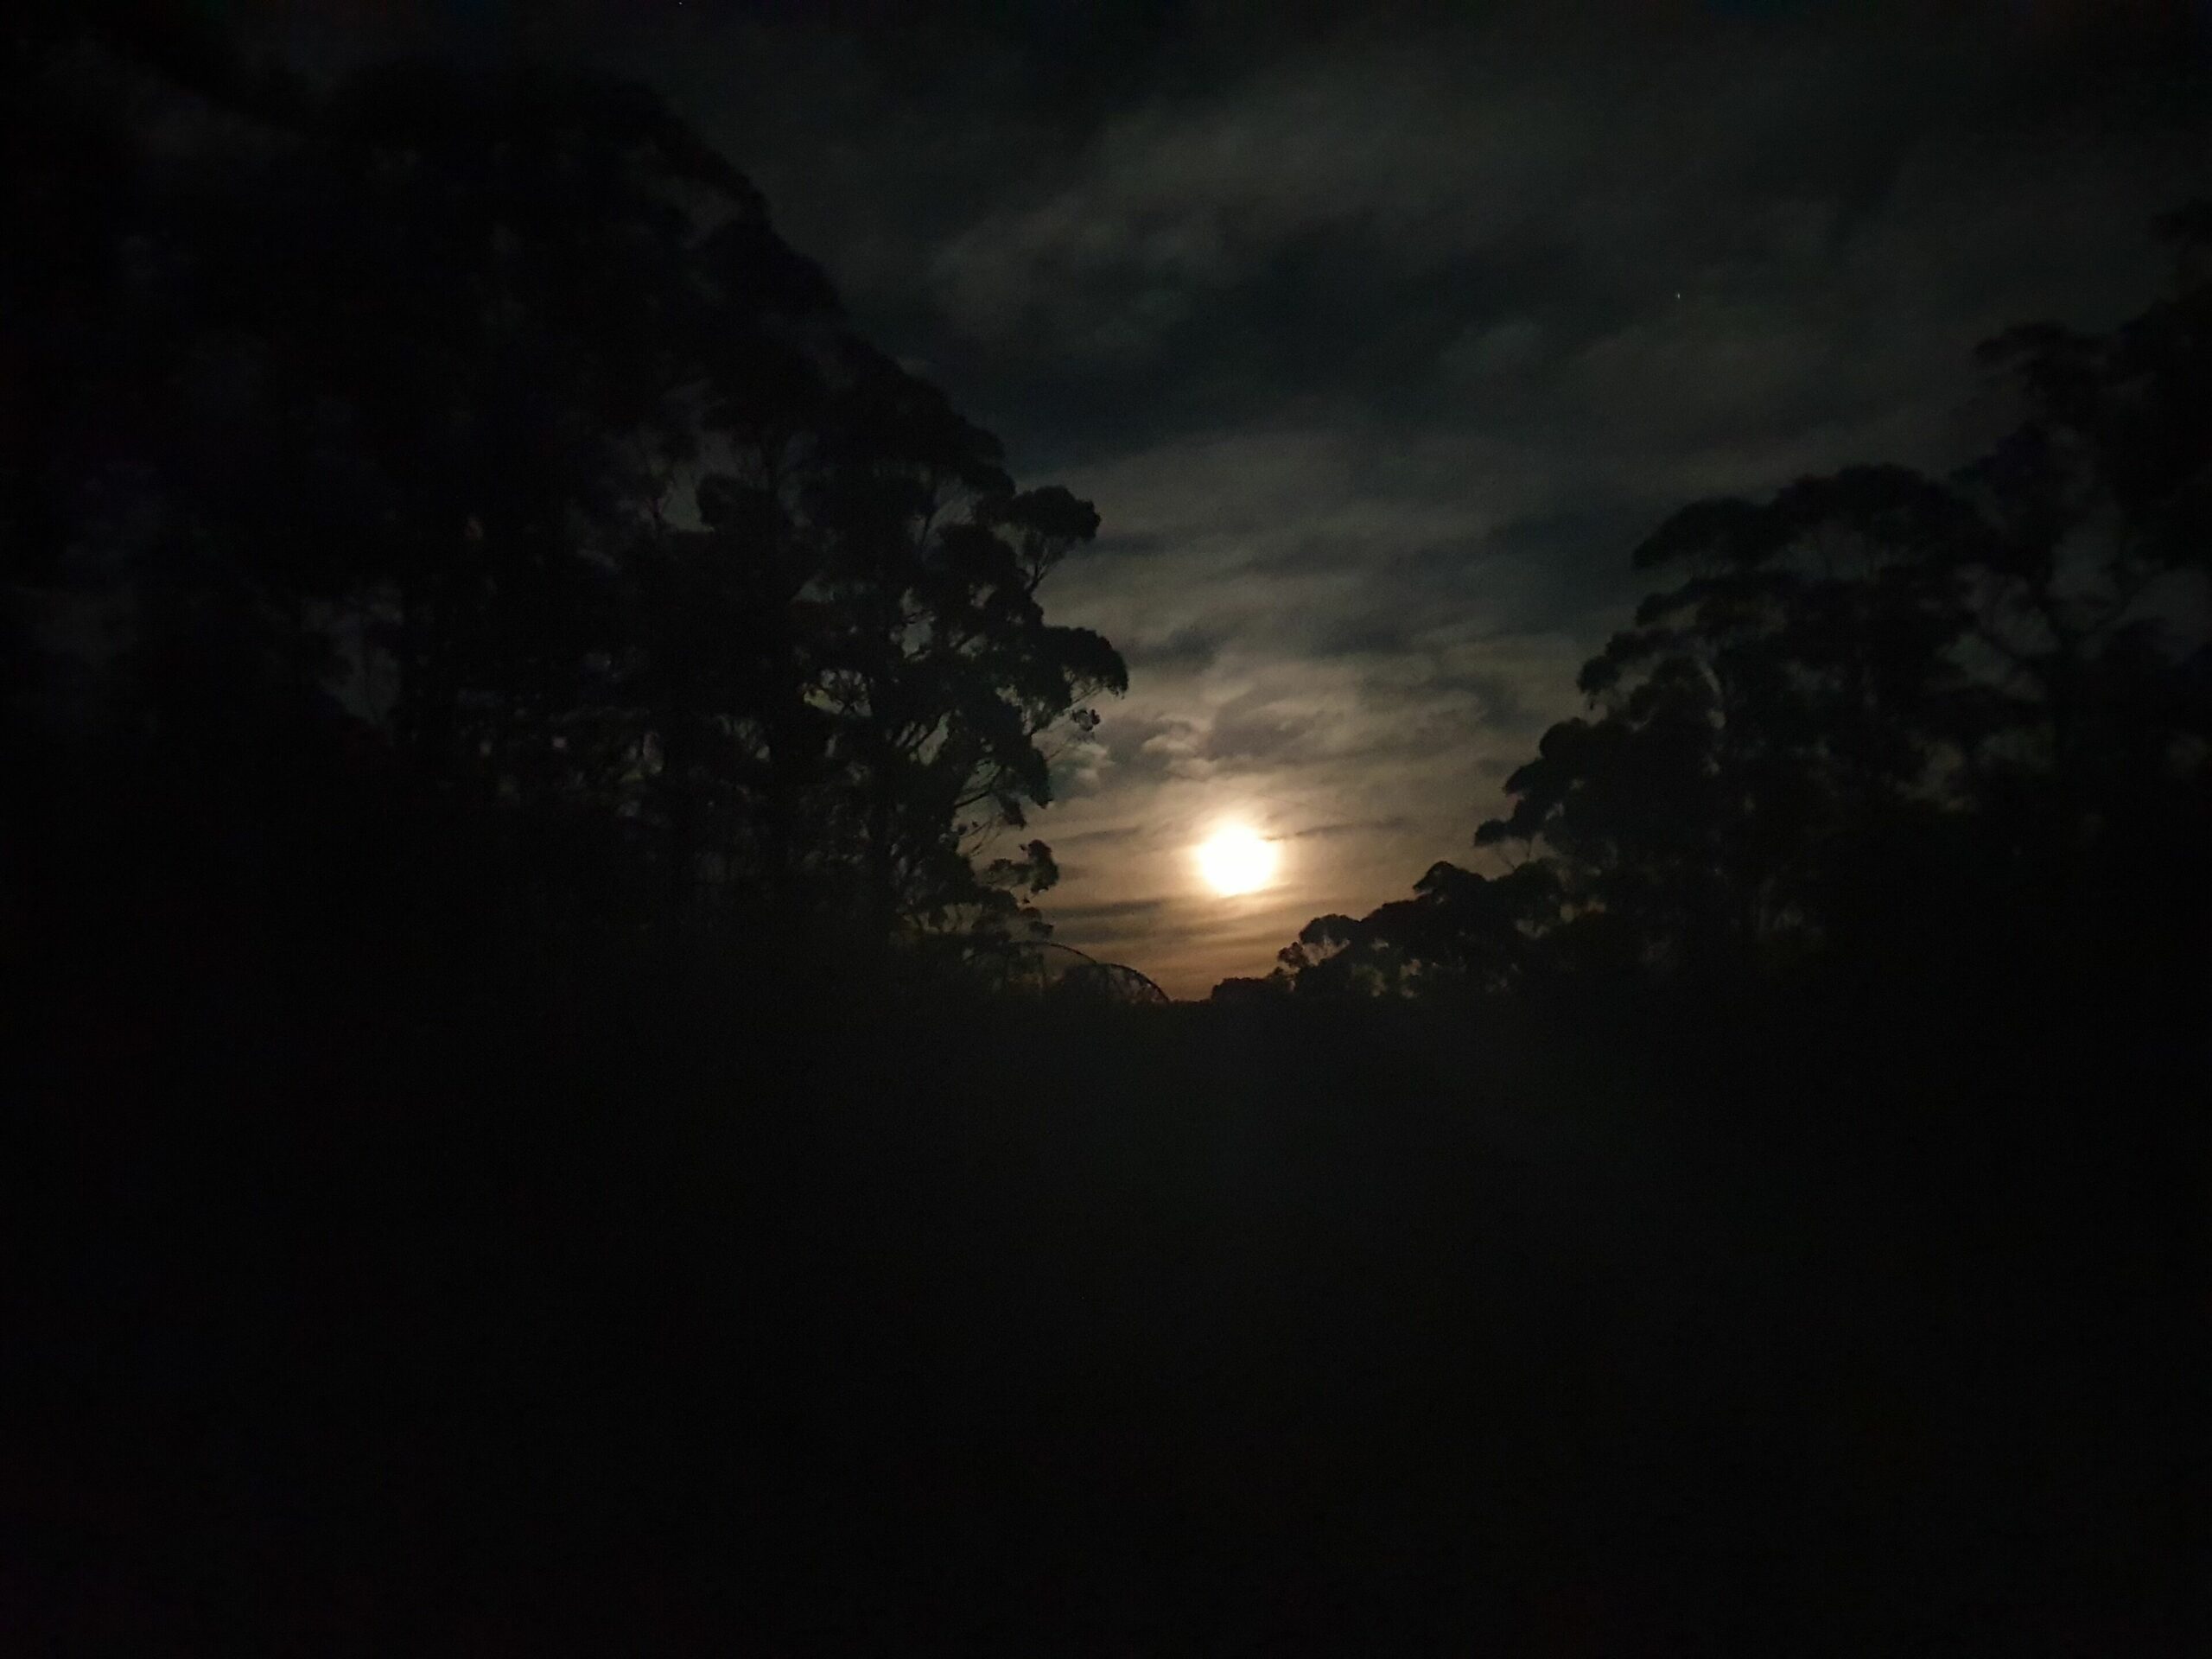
{"x":1889,"y":720}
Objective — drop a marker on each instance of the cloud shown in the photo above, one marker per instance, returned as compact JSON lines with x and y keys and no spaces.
{"x":1380,"y":350}
{"x":1093,"y":837}
{"x":1350,"y":827}
{"x":1255,"y":727}
{"x":1191,"y":646}
{"x":1120,"y":909}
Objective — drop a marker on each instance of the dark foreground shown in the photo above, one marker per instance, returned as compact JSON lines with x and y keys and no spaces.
{"x":638,"y":1327}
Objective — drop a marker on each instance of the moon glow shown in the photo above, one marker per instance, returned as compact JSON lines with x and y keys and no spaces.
{"x":1235,"y":861}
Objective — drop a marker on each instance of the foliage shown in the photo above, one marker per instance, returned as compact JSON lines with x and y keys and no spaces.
{"x":475,"y":434}
{"x":1880,"y":720}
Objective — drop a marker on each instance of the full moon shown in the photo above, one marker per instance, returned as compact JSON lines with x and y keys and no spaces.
{"x":1236,"y":860}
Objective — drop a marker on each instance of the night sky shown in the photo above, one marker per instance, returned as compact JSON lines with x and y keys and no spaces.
{"x":1379,"y":344}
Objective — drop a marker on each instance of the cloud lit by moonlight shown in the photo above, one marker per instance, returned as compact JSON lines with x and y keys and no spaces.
{"x":1236,"y":860}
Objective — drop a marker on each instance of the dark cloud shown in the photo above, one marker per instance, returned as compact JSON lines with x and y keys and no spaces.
{"x":1142,"y":745}
{"x":1119,"y":910}
{"x":1254,"y":727}
{"x":1350,"y":827}
{"x":1108,"y":834}
{"x":1195,"y":645}
{"x":1492,"y":699}
{"x":1375,"y":629}
{"x":1105,"y":925}
{"x":1363,"y":221}
{"x":1113,"y":544}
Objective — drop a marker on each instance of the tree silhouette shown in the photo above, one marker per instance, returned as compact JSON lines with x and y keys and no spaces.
{"x":1881,"y":718}
{"x":484,"y":416}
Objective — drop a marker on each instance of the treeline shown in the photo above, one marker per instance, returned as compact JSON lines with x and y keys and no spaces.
{"x":441,"y":506}
{"x":1880,"y":729}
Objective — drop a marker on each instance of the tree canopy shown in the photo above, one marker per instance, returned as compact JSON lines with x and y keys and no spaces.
{"x":1879,"y":721}
{"x":471,"y":441}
